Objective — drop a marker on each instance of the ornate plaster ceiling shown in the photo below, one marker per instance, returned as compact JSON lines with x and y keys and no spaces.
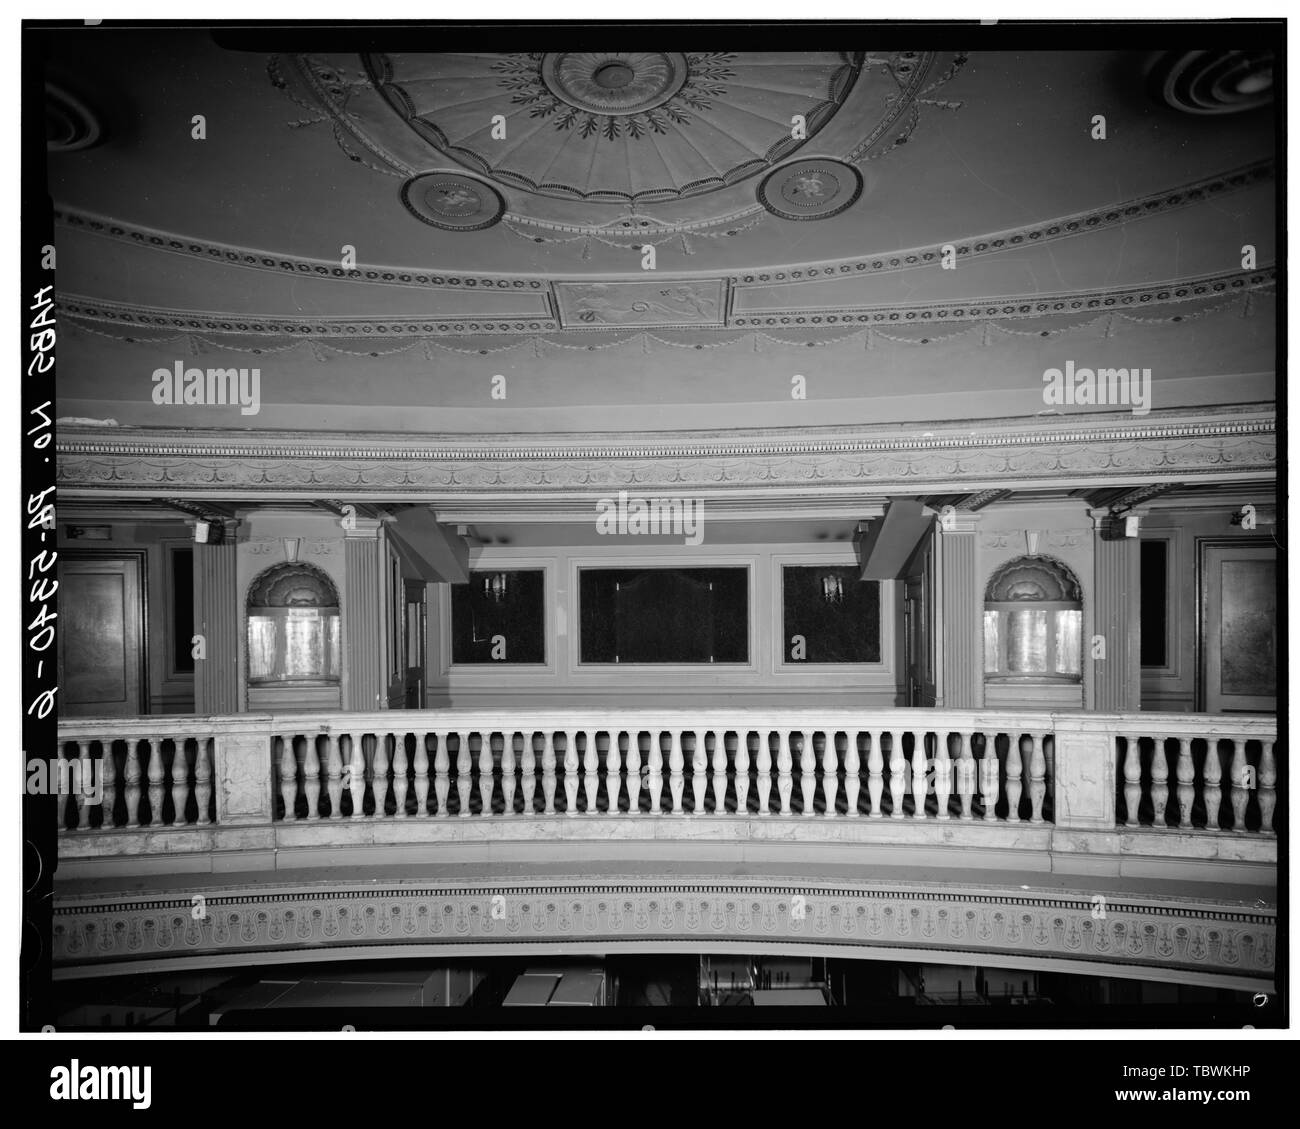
{"x":635,"y":126}
{"x":821,"y":255}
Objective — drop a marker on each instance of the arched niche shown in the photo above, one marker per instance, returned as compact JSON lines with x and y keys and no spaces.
{"x":293,"y":628}
{"x":1033,"y":623}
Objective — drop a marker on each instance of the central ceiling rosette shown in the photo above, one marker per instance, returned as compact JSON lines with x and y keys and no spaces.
{"x":616,"y":126}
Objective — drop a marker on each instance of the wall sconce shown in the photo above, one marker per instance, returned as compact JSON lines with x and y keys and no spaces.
{"x":494,"y":587}
{"x":833,"y":588}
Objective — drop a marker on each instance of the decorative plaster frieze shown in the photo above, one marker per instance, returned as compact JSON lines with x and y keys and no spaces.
{"x":699,"y":304}
{"x":1148,"y":934}
{"x":1068,"y":451}
{"x":881,"y":262}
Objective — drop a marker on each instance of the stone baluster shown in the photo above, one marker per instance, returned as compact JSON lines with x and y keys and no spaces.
{"x":108,"y":766}
{"x":85,"y":765}
{"x":180,"y":777}
{"x":508,"y":772}
{"x":203,"y":778}
{"x":356,"y":776}
{"x":656,"y":765}
{"x":1185,"y":771}
{"x":942,"y":774}
{"x":131,"y":780}
{"x":633,"y":772}
{"x":1213,"y":777}
{"x":401,"y":782}
{"x":807,"y":774}
{"x":464,"y":774}
{"x":1267,"y":786}
{"x":1160,"y":785}
{"x":379,"y":775}
{"x":420,"y":763}
{"x":852,"y":773}
{"x":966,"y":776}
{"x":784,"y":766}
{"x":920,"y":775}
{"x":548,"y":772}
{"x":720,"y":773}
{"x":311,"y":777}
{"x":528,"y":775}
{"x":699,"y":767}
{"x":1015,"y":771}
{"x":485,"y":773}
{"x":676,"y":770}
{"x":570,"y":772}
{"x":742,"y":772}
{"x":288,"y":778}
{"x":442,"y":774}
{"x":1037,"y":778}
{"x":990,"y":779}
{"x":334,"y":775}
{"x":763,"y":766}
{"x":897,"y":774}
{"x":591,"y":769}
{"x":1239,"y":775}
{"x":830,"y":772}
{"x":1132,"y":781}
{"x":876,"y":775}
{"x":156,"y":775}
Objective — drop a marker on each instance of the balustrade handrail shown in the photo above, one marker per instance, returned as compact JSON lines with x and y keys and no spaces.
{"x":481,"y":719}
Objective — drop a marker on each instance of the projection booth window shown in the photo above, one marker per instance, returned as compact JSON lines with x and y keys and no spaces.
{"x":664,"y":615}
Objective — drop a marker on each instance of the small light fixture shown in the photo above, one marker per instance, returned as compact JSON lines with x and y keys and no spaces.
{"x":833,"y":588}
{"x":494,"y":587}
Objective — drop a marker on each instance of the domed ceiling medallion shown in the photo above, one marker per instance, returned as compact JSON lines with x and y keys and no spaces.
{"x":452,"y":201}
{"x":1213,"y":82}
{"x":810,"y":189}
{"x":607,"y":84}
{"x":69,"y":123}
{"x":616,"y":126}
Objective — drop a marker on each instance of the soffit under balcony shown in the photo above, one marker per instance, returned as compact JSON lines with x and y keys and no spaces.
{"x":1124,"y":252}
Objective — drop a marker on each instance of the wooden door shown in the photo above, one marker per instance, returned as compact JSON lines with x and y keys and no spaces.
{"x":1239,"y":634}
{"x":415,"y":645}
{"x":101,"y":633}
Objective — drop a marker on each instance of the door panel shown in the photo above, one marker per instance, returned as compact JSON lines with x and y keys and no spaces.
{"x":415,"y":634}
{"x":1239,"y":627}
{"x":101,"y":659}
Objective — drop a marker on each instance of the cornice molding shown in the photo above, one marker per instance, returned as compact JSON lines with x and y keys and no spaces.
{"x":1152,"y":934}
{"x":1222,"y":445}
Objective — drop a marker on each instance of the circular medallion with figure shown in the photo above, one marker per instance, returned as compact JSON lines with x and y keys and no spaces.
{"x":810,"y":189}
{"x":452,"y":201}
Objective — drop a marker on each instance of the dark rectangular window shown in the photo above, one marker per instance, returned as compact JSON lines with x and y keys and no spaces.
{"x":664,"y":615}
{"x":182,"y":562}
{"x":499,"y":617}
{"x":830,"y":616}
{"x":1155,"y":603}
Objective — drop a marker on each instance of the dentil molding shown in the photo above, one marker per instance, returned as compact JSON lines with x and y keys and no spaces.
{"x":1082,"y":449}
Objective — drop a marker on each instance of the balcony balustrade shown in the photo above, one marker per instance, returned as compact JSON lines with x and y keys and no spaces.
{"x":1194,"y":774}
